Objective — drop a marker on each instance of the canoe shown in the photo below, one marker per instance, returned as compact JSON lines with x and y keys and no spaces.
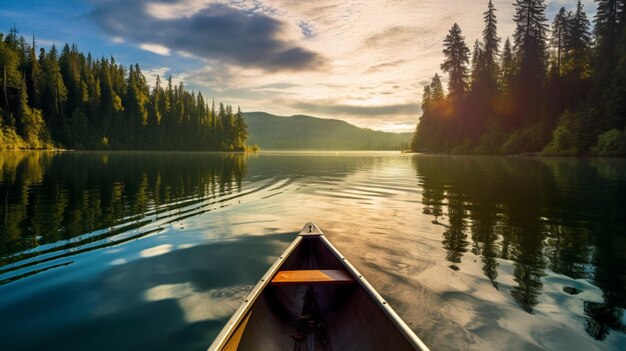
{"x":312,"y":298}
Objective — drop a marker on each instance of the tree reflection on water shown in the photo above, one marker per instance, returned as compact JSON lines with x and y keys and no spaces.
{"x":81,"y":198}
{"x":556,"y":214}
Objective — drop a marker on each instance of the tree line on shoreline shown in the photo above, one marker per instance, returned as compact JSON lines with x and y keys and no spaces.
{"x":558,"y":90}
{"x":69,"y":100}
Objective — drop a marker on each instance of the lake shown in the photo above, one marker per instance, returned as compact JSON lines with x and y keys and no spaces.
{"x":131,"y":251}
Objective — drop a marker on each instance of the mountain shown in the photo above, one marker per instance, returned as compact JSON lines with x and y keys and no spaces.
{"x":311,"y":133}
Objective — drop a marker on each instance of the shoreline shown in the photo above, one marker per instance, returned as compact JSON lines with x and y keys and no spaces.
{"x":522,"y":155}
{"x":100,"y":150}
{"x":410,"y":152}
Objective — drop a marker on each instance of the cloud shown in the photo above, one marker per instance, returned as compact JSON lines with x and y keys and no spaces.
{"x":307,"y":29}
{"x":277,"y":86}
{"x":156,"y":48}
{"x":151,"y":75}
{"x":332,"y":108}
{"x":214,"y":31}
{"x":385,"y":65}
{"x":396,"y":35}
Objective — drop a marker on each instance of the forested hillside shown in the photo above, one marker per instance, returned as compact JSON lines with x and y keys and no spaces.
{"x":69,"y":100}
{"x":311,"y":133}
{"x":559,"y":89}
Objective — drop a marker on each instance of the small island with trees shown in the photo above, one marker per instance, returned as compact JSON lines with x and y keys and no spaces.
{"x":554,"y":90}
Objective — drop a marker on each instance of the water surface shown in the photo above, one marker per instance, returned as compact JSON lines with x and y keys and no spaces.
{"x":156,"y":250}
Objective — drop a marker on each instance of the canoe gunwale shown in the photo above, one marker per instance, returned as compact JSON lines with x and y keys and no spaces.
{"x":240,"y":314}
{"x":417,"y":343}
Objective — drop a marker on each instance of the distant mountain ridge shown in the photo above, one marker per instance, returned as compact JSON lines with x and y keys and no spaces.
{"x":302,"y":132}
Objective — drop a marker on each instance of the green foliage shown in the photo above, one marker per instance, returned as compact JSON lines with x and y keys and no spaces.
{"x":465,"y":148}
{"x":513,"y":106}
{"x":524,"y":140}
{"x":563,"y":141}
{"x":35,"y":133}
{"x":610,"y":143}
{"x":9,"y":140}
{"x":9,"y":63}
{"x":104,"y":142}
{"x":492,"y":140}
{"x":79,"y":126}
{"x":70,"y":100}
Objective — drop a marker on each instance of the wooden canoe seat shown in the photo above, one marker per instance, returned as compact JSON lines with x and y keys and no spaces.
{"x":312,"y":276}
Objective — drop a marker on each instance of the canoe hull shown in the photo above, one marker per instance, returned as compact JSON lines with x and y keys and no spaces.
{"x":315,"y":316}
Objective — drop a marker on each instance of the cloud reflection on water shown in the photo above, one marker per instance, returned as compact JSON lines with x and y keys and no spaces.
{"x":515,"y":232}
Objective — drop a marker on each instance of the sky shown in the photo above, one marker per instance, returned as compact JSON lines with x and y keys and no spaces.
{"x":362,"y":61}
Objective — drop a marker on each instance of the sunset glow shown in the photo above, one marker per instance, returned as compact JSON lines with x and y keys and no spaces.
{"x":361,"y":61}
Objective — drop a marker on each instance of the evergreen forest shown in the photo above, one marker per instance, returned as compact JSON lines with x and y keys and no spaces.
{"x":555,"y":89}
{"x":68,"y":100}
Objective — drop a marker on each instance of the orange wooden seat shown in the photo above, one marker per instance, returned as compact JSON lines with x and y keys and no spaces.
{"x":312,"y":276}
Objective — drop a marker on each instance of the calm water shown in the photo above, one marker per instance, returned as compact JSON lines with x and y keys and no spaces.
{"x":128,"y":251}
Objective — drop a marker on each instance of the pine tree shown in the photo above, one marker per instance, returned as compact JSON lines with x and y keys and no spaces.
{"x":241,"y":130}
{"x":578,"y":43}
{"x":426,"y":98}
{"x":168,"y":106}
{"x":491,"y":41}
{"x":30,"y":123}
{"x":229,"y":130}
{"x":507,"y":67}
{"x":436,"y":89}
{"x":426,"y":103}
{"x":560,"y":29}
{"x":155,"y":105}
{"x":530,"y":40}
{"x":455,"y":62}
{"x":53,"y":91}
{"x":201,"y":111}
{"x":32,"y":76}
{"x":479,"y":66}
{"x":110,"y":103}
{"x":607,"y":30}
{"x":428,"y":131}
{"x":10,"y":73}
{"x":530,"y":48}
{"x":609,"y":86}
{"x":608,"y":24}
{"x":220,"y":129}
{"x":136,"y":99}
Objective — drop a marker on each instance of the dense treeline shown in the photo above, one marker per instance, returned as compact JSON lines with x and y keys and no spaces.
{"x":558,"y":89}
{"x":70,"y":100}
